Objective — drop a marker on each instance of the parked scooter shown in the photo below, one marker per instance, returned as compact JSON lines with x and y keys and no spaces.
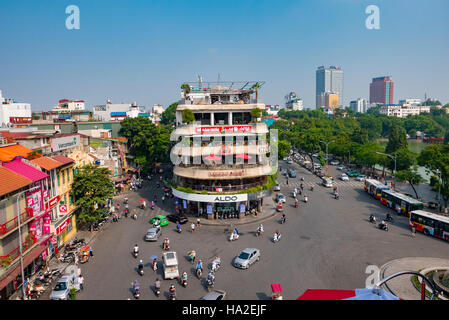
{"x":233,"y":237}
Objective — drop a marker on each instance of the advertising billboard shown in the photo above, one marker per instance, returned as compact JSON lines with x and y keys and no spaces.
{"x":62,"y":143}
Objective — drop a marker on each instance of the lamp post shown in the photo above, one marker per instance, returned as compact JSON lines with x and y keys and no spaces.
{"x":327,"y":158}
{"x":20,"y":238}
{"x":393,"y":157}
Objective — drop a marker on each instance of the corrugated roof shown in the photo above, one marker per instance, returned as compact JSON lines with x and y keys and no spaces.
{"x":8,"y":153}
{"x":47,"y":163}
{"x":63,"y":159}
{"x":25,"y":170}
{"x":11,"y":181}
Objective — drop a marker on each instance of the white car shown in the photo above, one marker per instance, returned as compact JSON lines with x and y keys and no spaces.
{"x":277,"y":187}
{"x":317,"y":165}
{"x":340,"y":167}
{"x":334,"y":162}
{"x":281,"y":197}
{"x":361,"y":177}
{"x":344,"y":177}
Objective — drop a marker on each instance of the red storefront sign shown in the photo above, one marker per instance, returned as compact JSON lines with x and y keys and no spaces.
{"x":226,"y":173}
{"x":47,"y":222}
{"x":30,"y":202}
{"x":53,"y":202}
{"x":63,"y":226}
{"x":45,"y":193}
{"x":19,"y":120}
{"x":224,"y":129}
{"x":63,"y":208}
{"x":32,"y":229}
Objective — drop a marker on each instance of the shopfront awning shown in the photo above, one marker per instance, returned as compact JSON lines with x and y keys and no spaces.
{"x":26,"y":261}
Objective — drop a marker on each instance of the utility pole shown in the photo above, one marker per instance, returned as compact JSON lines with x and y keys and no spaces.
{"x":439,"y":190}
{"x":327,"y":157}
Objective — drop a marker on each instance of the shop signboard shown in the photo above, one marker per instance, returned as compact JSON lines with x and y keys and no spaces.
{"x":63,"y":208}
{"x":223,"y":129}
{"x":52,"y":202}
{"x":32,"y":229}
{"x":47,"y":222}
{"x":63,"y":225}
{"x":45,"y":193}
{"x":211,"y":198}
{"x":62,"y":143}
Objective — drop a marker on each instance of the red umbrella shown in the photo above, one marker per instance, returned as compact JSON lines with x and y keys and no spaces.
{"x":357,"y":294}
{"x":212,"y":157}
{"x":142,"y":200}
{"x":244,"y":156}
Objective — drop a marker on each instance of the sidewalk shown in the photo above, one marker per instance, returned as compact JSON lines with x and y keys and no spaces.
{"x":402,"y":286}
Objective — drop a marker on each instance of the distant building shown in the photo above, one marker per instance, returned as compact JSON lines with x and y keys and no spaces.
{"x":411,"y":101}
{"x":402,"y":111}
{"x":116,"y":112}
{"x":272,"y":110}
{"x":70,"y":105}
{"x":381,"y":90}
{"x":329,"y":80}
{"x":292,"y":102}
{"x":156,"y":113}
{"x":13,"y":112}
{"x":359,"y":105}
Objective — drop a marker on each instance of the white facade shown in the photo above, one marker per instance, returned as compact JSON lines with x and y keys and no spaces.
{"x":411,"y":101}
{"x":402,"y":111}
{"x":360,"y":105}
{"x":293,"y":102}
{"x":70,"y":105}
{"x":103,"y":112}
{"x":11,"y":109}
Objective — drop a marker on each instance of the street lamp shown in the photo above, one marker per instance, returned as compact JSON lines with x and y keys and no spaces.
{"x":327,"y":143}
{"x":394,"y":157}
{"x":20,"y":237}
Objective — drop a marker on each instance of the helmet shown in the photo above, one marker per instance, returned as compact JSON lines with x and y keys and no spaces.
{"x":172,"y":286}
{"x":141,"y":261}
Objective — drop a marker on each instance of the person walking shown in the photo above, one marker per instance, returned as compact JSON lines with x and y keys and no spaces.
{"x":193,"y":227}
{"x":76,"y":259}
{"x":413,"y":231}
{"x":198,"y":222}
{"x":91,"y":253}
{"x":81,"y":281}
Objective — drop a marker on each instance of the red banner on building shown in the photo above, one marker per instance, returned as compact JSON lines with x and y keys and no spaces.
{"x":63,"y":208}
{"x":52,"y":202}
{"x":223,"y":129}
{"x":19,"y":120}
{"x":63,"y":226}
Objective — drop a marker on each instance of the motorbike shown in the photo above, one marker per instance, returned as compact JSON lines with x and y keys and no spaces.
{"x":171,"y":296}
{"x":276,"y":238}
{"x":184,"y":283}
{"x":233,"y":237}
{"x":199,"y":272}
{"x":336,"y":196}
{"x":372,"y":219}
{"x":215,"y":266}
{"x":135,"y":253}
{"x":306,"y":199}
{"x":157,"y":291}
{"x":136,"y":293}
{"x":283,"y":220}
{"x":125,"y":201}
{"x":154,"y":266}
{"x":383,"y":227}
{"x":141,"y":271}
{"x":134,"y":216}
{"x":210,"y":284}
{"x":389,"y":218}
{"x":179,"y":230}
{"x":258,"y":233}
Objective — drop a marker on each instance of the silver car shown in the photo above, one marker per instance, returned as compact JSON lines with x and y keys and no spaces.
{"x":215,"y":295}
{"x":153,"y":234}
{"x":246,"y":258}
{"x":281,"y":198}
{"x":62,"y":289}
{"x":277,"y":187}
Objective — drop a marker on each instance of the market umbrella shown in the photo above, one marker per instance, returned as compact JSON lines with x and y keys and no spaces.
{"x":142,"y":200}
{"x":243,"y":156}
{"x":212,"y":157}
{"x":357,"y":294}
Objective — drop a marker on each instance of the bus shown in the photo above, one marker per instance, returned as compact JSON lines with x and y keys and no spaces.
{"x":399,"y":202}
{"x":431,"y":224}
{"x":375,"y":187}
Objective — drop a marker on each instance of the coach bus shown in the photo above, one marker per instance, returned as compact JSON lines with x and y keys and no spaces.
{"x":430,"y":224}
{"x":399,"y":202}
{"x":375,"y":187}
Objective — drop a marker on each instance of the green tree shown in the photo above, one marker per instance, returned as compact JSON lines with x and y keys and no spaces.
{"x":186,"y":88}
{"x":188,"y":116}
{"x":256,"y":113}
{"x":404,"y":159}
{"x":283,"y":148}
{"x":91,"y":187}
{"x":436,"y":158}
{"x":169,"y":114}
{"x":366,"y":155}
{"x":256,"y":87}
{"x":411,"y":176}
{"x":397,"y":140}
{"x":321,"y":158}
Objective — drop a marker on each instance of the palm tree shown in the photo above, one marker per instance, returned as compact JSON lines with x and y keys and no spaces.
{"x":186,"y":89}
{"x":256,"y":87}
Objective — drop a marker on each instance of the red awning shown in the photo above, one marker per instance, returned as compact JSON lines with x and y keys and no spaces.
{"x":26,"y":261}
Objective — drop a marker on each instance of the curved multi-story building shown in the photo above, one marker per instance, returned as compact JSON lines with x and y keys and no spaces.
{"x":221,"y":163}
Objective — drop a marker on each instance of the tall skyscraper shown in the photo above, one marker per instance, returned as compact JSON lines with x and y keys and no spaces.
{"x":381,"y":90}
{"x":329,"y":80}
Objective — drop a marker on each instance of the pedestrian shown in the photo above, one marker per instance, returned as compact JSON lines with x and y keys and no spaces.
{"x":413,"y":231}
{"x":81,"y":281}
{"x":76,"y":259}
{"x":193,"y":227}
{"x":198,"y":222}
{"x":91,"y":253}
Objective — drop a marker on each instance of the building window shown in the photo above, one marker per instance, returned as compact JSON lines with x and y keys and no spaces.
{"x":63,"y":177}
{"x":57,"y":175}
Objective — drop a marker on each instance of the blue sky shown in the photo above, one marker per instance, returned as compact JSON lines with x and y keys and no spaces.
{"x":142,"y":50}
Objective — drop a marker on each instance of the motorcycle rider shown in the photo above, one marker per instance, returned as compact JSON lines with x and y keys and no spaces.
{"x":199,"y":266}
{"x":383,"y":225}
{"x":260,"y":230}
{"x":152,"y":205}
{"x":140,"y":266}
{"x":157,"y":284}
{"x":155,"y":197}
{"x":296,"y":203}
{"x":284,"y":218}
{"x":389,"y":217}
{"x":306,"y":198}
{"x":372,"y":217}
{"x":136,"y":249}
{"x":311,"y":187}
{"x":211,"y":278}
{"x":136,"y":286}
{"x":192,"y":255}
{"x":163,"y":198}
{"x":154,"y":264}
{"x":277,"y":235}
{"x":184,"y":278}
{"x":216,"y":263}
{"x":166,"y":243}
{"x":178,"y":227}
{"x":172,"y":292}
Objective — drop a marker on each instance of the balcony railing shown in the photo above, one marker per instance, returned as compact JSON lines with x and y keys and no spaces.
{"x":14,"y":223}
{"x":6,"y":260}
{"x":214,"y":166}
{"x":220,"y":189}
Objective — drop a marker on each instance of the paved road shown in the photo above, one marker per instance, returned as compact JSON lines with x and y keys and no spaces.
{"x":326,"y":243}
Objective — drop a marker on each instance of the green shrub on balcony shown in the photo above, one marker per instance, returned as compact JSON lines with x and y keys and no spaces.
{"x":5,"y":262}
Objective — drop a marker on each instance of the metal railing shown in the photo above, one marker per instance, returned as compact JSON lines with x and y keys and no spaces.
{"x":14,"y":254}
{"x":13,"y":223}
{"x":217,"y":188}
